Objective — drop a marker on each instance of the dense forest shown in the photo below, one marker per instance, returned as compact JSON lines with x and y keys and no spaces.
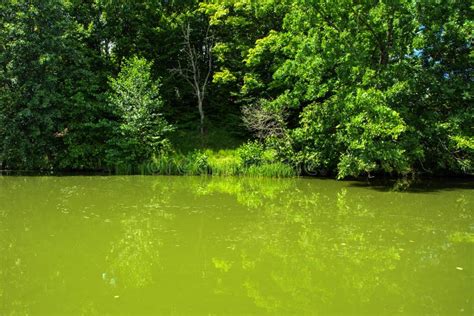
{"x":326,"y":87}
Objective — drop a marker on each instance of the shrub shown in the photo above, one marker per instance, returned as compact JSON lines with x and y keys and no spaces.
{"x":251,"y":153}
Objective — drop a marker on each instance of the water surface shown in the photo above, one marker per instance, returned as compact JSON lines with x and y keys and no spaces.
{"x":195,"y":245}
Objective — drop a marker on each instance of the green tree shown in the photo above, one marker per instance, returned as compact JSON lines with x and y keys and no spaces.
{"x":379,"y":86}
{"x":141,"y":129}
{"x":51,"y":114}
{"x":337,"y":86}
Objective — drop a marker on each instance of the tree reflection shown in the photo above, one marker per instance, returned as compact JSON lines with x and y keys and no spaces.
{"x":135,"y":255}
{"x":13,"y":270}
{"x":251,"y":192}
{"x":286,"y":246}
{"x":307,"y":249}
{"x":132,"y":257}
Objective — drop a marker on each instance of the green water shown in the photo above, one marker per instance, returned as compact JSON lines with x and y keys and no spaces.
{"x":194,"y":245}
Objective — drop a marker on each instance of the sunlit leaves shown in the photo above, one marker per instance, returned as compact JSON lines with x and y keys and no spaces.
{"x":136,"y":100}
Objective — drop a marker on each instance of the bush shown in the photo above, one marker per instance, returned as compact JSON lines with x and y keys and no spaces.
{"x":251,"y":153}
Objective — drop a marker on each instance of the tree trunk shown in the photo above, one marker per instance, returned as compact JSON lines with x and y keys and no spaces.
{"x":201,"y":115}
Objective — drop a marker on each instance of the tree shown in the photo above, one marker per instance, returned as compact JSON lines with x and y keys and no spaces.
{"x":349,"y":88}
{"x":141,"y":128}
{"x":377,"y":87}
{"x":51,"y":115}
{"x":196,"y":67}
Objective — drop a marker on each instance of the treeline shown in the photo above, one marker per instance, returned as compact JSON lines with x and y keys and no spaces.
{"x":324,"y":86}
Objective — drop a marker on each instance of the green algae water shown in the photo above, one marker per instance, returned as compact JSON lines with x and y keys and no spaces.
{"x":137,"y":245}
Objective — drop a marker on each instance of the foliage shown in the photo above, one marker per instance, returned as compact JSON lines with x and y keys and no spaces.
{"x":365,"y":135}
{"x":380,"y":87}
{"x":224,"y":162}
{"x":251,"y":153}
{"x":135,"y":99}
{"x":334,"y":87}
{"x":208,"y":162}
{"x":51,"y":109}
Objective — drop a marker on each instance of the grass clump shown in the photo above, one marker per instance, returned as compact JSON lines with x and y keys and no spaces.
{"x":224,"y":163}
{"x":248,"y":160}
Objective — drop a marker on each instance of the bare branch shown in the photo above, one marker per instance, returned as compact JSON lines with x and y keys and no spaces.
{"x":197,"y":60}
{"x":264,"y":122}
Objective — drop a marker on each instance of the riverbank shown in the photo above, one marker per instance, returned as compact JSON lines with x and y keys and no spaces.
{"x":247,"y":161}
{"x":198,"y":162}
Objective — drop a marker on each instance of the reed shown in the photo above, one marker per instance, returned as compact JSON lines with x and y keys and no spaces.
{"x":216,"y":163}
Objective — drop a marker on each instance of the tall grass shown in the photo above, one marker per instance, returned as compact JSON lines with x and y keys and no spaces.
{"x":216,"y":163}
{"x":224,"y":163}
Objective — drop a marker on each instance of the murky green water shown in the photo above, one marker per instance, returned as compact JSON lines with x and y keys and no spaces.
{"x":192,"y":245}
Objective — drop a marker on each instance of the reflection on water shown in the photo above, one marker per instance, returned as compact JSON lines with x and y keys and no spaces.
{"x":197,"y":245}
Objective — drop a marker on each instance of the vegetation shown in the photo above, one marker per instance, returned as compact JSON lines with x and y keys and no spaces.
{"x":208,"y":162}
{"x":136,"y":102}
{"x":307,"y":86}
